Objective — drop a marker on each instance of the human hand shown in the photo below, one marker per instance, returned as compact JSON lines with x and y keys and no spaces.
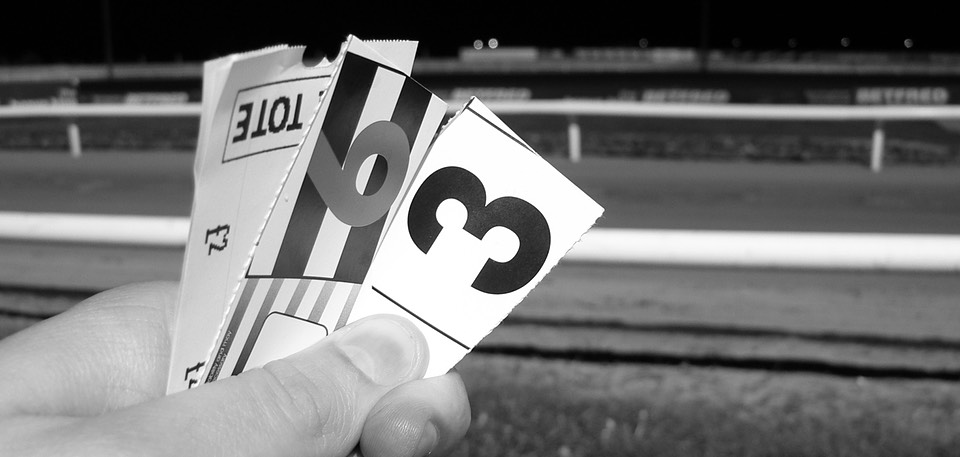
{"x":91,"y":380}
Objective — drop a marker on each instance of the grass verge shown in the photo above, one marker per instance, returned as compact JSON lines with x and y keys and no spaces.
{"x":530,"y":407}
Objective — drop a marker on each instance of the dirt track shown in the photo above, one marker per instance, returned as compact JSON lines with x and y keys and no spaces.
{"x":878,"y":319}
{"x":753,"y":355}
{"x":636,"y":193}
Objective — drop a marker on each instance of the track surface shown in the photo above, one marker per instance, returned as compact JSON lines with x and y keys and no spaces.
{"x":878,"y":323}
{"x":635,"y":193}
{"x":721,"y":361}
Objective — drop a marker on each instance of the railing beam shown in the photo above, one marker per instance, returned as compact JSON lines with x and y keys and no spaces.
{"x":800,"y":250}
{"x":570,"y":108}
{"x":558,"y":107}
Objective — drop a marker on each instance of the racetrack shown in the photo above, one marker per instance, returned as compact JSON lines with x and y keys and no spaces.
{"x":859,"y":306}
{"x":635,"y":193}
{"x":628,"y":359}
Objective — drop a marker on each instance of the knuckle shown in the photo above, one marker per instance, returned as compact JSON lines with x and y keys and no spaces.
{"x":317,"y":405}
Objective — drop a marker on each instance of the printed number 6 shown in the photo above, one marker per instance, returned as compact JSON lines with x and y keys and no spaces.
{"x":514,"y":214}
{"x":336,"y":182}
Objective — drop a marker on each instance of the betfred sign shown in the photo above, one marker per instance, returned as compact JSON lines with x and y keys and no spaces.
{"x":686,"y":95}
{"x":902,"y":96}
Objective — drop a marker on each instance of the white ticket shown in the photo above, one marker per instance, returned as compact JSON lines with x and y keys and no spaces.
{"x":485,"y":220}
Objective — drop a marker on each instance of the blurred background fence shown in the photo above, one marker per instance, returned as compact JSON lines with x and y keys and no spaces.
{"x":570,"y":110}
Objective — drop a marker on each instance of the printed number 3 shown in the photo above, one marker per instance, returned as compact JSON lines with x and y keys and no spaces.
{"x":514,"y":214}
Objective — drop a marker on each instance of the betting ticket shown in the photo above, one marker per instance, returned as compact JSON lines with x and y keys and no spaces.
{"x":485,"y":220}
{"x":257,"y":109}
{"x":369,"y":137}
{"x":295,"y":237}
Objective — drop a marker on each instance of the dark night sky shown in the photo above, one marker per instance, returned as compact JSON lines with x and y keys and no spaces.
{"x":61,"y":31}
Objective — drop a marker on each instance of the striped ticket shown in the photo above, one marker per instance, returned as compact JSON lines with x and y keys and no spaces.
{"x":369,"y":137}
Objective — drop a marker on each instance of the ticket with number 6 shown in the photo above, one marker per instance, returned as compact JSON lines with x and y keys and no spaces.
{"x":319,"y":239}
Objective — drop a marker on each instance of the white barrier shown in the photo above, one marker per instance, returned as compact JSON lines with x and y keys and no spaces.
{"x":76,"y":111}
{"x":724,"y":111}
{"x":935,"y":253}
{"x":877,"y":114}
{"x":854,"y":251}
{"x":95,"y":229}
{"x":569,"y":108}
{"x":555,"y":108}
{"x":99,"y":110}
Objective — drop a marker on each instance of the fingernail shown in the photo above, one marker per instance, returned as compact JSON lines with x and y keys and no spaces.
{"x":428,"y":440}
{"x":384,"y":349}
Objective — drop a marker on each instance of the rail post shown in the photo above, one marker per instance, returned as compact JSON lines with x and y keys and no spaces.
{"x":73,"y":139}
{"x":876,"y":149}
{"x":573,"y":139}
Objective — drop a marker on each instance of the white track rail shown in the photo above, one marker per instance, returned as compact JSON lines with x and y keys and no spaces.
{"x":571,"y":109}
{"x":671,"y":247}
{"x":99,"y":110}
{"x":153,"y":231}
{"x":725,"y":111}
{"x":799,"y":250}
{"x":557,"y":108}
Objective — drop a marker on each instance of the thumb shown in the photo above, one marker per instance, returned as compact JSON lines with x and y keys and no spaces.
{"x":311,"y":403}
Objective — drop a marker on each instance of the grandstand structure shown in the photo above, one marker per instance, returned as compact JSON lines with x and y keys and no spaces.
{"x":788,"y":77}
{"x":515,"y":74}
